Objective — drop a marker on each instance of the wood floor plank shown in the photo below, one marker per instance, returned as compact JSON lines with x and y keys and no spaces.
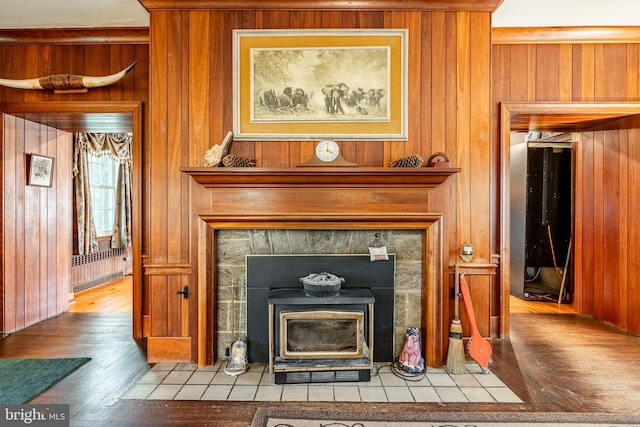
{"x":113,"y":297}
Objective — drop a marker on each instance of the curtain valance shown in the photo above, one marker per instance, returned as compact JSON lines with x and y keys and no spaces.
{"x":115,"y":145}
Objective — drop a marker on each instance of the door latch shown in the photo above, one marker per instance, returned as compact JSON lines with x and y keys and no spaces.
{"x":184,"y":292}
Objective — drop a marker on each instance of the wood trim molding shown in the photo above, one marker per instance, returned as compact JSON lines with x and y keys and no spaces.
{"x":168,"y":349}
{"x":429,"y":223}
{"x":557,"y":35}
{"x":383,"y":5}
{"x":508,"y":113}
{"x":75,"y":36}
{"x":489,"y":269}
{"x":69,"y":107}
{"x":162,"y":269}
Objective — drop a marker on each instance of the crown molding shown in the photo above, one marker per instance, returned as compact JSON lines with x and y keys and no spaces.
{"x":380,"y":5}
{"x":76,"y":36}
{"x":563,"y":35}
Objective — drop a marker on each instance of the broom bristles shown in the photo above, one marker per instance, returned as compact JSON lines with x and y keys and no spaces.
{"x":455,"y":356}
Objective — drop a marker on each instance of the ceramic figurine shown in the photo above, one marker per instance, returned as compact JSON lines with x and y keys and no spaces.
{"x":411,"y":357}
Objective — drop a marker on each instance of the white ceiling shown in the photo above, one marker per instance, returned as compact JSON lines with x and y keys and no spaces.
{"x":129,"y":13}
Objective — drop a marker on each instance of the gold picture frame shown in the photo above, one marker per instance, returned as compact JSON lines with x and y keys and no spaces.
{"x":320,"y":84}
{"x":40,"y":170}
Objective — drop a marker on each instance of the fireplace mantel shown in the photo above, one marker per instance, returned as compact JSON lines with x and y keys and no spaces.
{"x":348,"y":177}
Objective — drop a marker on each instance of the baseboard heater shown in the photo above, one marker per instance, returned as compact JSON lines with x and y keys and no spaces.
{"x":97,"y":268}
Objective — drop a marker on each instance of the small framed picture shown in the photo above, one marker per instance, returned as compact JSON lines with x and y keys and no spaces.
{"x":40,"y":170}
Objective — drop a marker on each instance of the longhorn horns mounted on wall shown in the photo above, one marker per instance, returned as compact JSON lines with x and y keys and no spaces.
{"x":66,"y":82}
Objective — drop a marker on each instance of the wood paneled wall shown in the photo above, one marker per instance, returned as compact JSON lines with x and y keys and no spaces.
{"x":35,"y":53}
{"x":608,"y":162}
{"x":37,"y":233}
{"x":449,"y":110}
{"x":607,"y":226}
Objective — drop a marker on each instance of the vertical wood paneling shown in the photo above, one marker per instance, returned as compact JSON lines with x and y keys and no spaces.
{"x":633,"y":74}
{"x":578,"y":221}
{"x":599,"y":74}
{"x":612,"y":216}
{"x":633,"y":221}
{"x":615,"y":78}
{"x":174,"y":307}
{"x":565,"y":76}
{"x":48,"y":234}
{"x":463,"y":154}
{"x":158,"y":154}
{"x":598,"y":223}
{"x":418,"y":79}
{"x":37,"y":235}
{"x":175,"y":132}
{"x":501,"y":75}
{"x":21,"y":241}
{"x":480,"y":149}
{"x":546,"y":79}
{"x":479,"y":126}
{"x":519,"y":66}
{"x":449,"y":88}
{"x":203,"y":49}
{"x":451,"y":101}
{"x":10,"y":167}
{"x":434,"y":82}
{"x":588,"y":77}
{"x":623,"y":242}
{"x":588,"y":220}
{"x":159,"y":306}
{"x":32,"y":230}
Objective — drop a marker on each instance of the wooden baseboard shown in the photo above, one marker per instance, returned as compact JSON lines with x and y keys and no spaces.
{"x":168,"y":349}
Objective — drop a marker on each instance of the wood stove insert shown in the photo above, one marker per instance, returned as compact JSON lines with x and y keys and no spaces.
{"x":266,"y":273}
{"x":320,"y":339}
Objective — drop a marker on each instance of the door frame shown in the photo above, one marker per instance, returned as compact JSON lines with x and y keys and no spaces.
{"x":84,"y":116}
{"x":566,"y":117}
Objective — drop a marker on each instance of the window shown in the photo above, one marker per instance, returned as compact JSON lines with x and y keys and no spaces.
{"x":102,"y":179}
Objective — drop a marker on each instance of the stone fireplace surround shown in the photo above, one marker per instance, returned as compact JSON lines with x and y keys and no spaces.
{"x":347,"y":198}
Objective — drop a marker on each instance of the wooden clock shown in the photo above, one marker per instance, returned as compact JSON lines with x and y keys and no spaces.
{"x":327,"y":153}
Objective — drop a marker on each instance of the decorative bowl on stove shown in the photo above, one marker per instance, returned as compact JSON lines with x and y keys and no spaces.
{"x":322,"y":284}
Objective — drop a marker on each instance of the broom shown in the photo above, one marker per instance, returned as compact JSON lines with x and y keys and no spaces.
{"x":455,"y":355}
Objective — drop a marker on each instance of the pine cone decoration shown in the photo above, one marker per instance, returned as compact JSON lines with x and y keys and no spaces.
{"x":231,"y":161}
{"x":413,"y":161}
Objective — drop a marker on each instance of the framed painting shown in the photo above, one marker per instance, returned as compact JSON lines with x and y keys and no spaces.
{"x":320,"y":84}
{"x":40,"y":170}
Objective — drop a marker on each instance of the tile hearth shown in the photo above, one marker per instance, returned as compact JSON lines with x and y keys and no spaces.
{"x":184,"y":381}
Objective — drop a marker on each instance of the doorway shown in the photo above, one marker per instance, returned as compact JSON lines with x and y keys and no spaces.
{"x":542,"y":179}
{"x":98,"y":117}
{"x":603,"y":133}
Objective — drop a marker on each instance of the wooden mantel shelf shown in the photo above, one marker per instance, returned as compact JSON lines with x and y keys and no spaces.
{"x":348,"y":177}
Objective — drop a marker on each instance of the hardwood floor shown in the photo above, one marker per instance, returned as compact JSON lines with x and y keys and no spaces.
{"x":524,"y":306}
{"x":112,"y":297}
{"x":555,"y":362}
